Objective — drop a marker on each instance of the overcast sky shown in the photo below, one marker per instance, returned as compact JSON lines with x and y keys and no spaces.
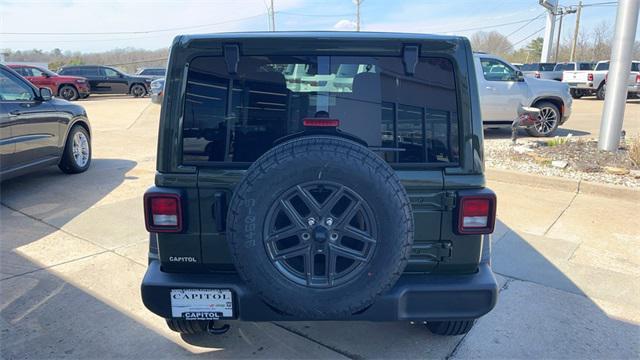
{"x":461,"y":17}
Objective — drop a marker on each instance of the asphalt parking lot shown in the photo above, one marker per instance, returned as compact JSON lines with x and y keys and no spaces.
{"x":73,"y":253}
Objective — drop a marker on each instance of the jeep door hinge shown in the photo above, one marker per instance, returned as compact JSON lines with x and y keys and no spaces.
{"x":449,"y":200}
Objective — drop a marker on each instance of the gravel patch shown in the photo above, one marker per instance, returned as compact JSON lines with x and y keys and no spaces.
{"x":576,"y":159}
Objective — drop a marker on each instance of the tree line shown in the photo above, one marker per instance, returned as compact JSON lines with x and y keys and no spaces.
{"x":592,"y":45}
{"x":126,"y":59}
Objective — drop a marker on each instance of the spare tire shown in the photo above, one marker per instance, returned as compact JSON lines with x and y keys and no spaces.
{"x":319,"y":227}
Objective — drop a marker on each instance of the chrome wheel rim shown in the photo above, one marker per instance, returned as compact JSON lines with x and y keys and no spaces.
{"x":320,"y":234}
{"x":546,"y":121}
{"x":80,"y":149}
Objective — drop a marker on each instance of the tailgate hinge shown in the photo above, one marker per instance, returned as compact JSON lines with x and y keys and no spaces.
{"x":449,"y":200}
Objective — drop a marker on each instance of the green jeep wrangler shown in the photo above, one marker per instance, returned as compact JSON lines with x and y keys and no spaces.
{"x":320,"y":176}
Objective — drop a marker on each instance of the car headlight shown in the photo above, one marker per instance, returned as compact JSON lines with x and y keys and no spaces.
{"x":156,"y":85}
{"x":81,"y":81}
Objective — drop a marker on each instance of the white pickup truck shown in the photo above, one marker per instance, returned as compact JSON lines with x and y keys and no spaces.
{"x":589,"y":82}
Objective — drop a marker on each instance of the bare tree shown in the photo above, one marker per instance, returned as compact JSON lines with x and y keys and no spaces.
{"x":491,"y":42}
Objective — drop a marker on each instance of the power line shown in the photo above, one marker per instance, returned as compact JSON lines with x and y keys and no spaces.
{"x":314,"y":15}
{"x":526,"y":24}
{"x":488,"y":26}
{"x":133,"y":32}
{"x":528,"y":36}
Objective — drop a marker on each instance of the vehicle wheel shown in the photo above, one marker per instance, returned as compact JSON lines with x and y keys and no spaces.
{"x":575,"y":94}
{"x":68,"y":92}
{"x":319,"y":227}
{"x":547,"y":122}
{"x":138,"y":90}
{"x":189,"y":327}
{"x":76,"y":157}
{"x":600,"y":93}
{"x":450,"y":328}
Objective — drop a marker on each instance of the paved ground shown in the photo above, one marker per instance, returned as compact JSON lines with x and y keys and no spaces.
{"x":73,"y":253}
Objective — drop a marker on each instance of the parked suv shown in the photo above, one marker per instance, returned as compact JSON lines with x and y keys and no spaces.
{"x":67,"y":87}
{"x":37,"y":130}
{"x":108,"y":80}
{"x":503,"y":90}
{"x":275,"y":202}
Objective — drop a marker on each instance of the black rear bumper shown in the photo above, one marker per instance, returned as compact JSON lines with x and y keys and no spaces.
{"x":414,"y":296}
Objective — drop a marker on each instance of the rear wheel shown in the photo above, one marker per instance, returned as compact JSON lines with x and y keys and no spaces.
{"x":600,"y":93}
{"x":547,"y":121}
{"x":576,"y":94}
{"x":138,"y":90}
{"x":68,"y":92}
{"x":450,"y":328}
{"x":188,"y":327}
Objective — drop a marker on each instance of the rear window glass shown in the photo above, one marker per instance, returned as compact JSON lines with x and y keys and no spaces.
{"x":586,"y":66}
{"x":565,"y":67}
{"x":236,"y":118}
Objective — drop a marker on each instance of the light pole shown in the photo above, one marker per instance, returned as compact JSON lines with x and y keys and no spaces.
{"x":551,"y":6}
{"x":620,"y":65}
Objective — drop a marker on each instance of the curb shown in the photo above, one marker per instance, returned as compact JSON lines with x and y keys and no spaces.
{"x":563,"y":184}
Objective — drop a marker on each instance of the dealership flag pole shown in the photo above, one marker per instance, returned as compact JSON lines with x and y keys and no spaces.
{"x":618,"y":76}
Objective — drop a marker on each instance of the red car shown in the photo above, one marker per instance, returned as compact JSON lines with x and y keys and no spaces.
{"x":66,"y":87}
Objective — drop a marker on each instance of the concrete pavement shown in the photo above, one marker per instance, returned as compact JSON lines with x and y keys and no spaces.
{"x":73,"y":253}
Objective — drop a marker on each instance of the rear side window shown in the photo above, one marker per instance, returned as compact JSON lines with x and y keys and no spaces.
{"x":23,"y":71}
{"x":602,"y":66}
{"x":565,"y":67}
{"x":547,"y":66}
{"x":237,"y":118}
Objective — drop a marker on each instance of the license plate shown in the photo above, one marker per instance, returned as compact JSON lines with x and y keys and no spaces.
{"x":201,"y":304}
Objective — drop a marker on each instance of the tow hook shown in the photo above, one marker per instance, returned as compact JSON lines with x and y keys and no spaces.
{"x":211,"y":329}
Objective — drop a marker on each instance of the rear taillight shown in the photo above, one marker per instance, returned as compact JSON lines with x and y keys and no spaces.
{"x":476,"y":214}
{"x":320,"y":122}
{"x":163,"y":212}
{"x":638,"y":78}
{"x":589,"y":77}
{"x":537,"y":75}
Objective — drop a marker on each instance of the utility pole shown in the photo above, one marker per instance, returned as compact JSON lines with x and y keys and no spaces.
{"x":272,"y":13}
{"x":562,"y":12}
{"x":547,"y":45}
{"x":357,"y":3}
{"x":575,"y":32}
{"x":621,"y":52}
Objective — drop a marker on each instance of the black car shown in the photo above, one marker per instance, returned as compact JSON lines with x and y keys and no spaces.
{"x":37,"y":130}
{"x":108,"y":80}
{"x":351,"y":188}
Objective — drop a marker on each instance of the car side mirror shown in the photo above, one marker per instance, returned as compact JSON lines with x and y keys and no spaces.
{"x":519,"y":75}
{"x":45,"y":94}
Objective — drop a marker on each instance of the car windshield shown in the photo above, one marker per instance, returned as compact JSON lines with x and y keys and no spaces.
{"x":406,"y":118}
